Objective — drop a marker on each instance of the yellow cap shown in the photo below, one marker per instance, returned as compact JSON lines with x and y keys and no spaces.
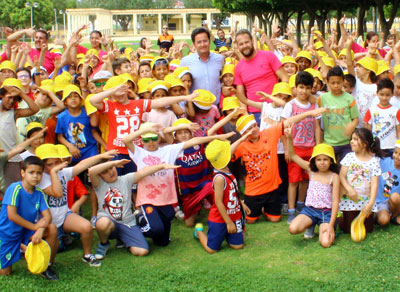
{"x":33,"y":125}
{"x":159,"y":59}
{"x":303,"y":54}
{"x":128,"y":77}
{"x":148,"y":134}
{"x":223,"y":49}
{"x":93,"y":52}
{"x":396,"y":69}
{"x":180,"y":71}
{"x":245,"y":122}
{"x":181,"y":121}
{"x":146,"y":58}
{"x":228,"y":69}
{"x":357,"y":228}
{"x":7,"y":65}
{"x":292,"y":81}
{"x":369,"y":64}
{"x":282,"y":88}
{"x":46,"y":151}
{"x":205,"y":99}
{"x":56,"y":51}
{"x":127,"y":52}
{"x":173,"y":80}
{"x":334,"y":54}
{"x":69,"y":89}
{"x":37,"y":256}
{"x":63,"y":151}
{"x":324,"y":149}
{"x":230,"y":102}
{"x":314,"y":73}
{"x":382,"y":67}
{"x":143,"y":84}
{"x":80,"y":56}
{"x":62,"y":80}
{"x":47,"y":82}
{"x":218,"y":153}
{"x":174,"y":64}
{"x":318,"y":45}
{"x":90,"y":109}
{"x":343,"y":52}
{"x":12,"y":82}
{"x":230,"y":60}
{"x":329,"y":62}
{"x":81,"y":61}
{"x":289,"y":59}
{"x":47,"y":87}
{"x":322,"y":54}
{"x":397,"y":145}
{"x":158,"y":84}
{"x":114,"y":81}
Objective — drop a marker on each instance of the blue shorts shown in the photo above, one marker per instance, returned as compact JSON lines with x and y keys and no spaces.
{"x":10,"y":250}
{"x":317,"y":216}
{"x":130,"y":236}
{"x":217,"y":232}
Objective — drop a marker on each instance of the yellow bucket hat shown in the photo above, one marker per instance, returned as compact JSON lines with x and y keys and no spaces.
{"x":318,"y":45}
{"x":157,"y":60}
{"x":181,"y":121}
{"x":289,"y":59}
{"x":56,"y":51}
{"x":218,"y":153}
{"x":46,"y":151}
{"x":127,"y":52}
{"x":12,"y":82}
{"x":173,"y":80}
{"x":47,"y":87}
{"x":230,"y":102}
{"x":174,"y":64}
{"x":357,"y":228}
{"x":324,"y":149}
{"x":223,"y":49}
{"x":80,"y":56}
{"x":114,"y":82}
{"x":37,"y":257}
{"x":245,"y":122}
{"x":382,"y":67}
{"x":33,"y":125}
{"x":148,"y":134}
{"x":146,"y":58}
{"x":230,"y":60}
{"x":315,"y":73}
{"x":396,"y":69}
{"x":322,"y":54}
{"x":93,"y":52}
{"x":69,"y":89}
{"x":205,"y":99}
{"x":180,"y":71}
{"x":282,"y":88}
{"x":228,"y":69}
{"x":328,"y":61}
{"x":158,"y":84}
{"x":343,"y":52}
{"x":7,"y":65}
{"x":369,"y":64}
{"x":63,"y":151}
{"x":90,"y":108}
{"x":128,"y":77}
{"x":143,"y":84}
{"x":334,"y":54}
{"x":303,"y":54}
{"x":292,"y":81}
{"x":62,"y":80}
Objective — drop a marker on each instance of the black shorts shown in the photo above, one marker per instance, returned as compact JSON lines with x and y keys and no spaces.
{"x":270,"y":201}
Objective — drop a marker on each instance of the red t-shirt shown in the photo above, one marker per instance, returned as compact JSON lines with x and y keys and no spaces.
{"x":48,"y":59}
{"x":123,"y":120}
{"x":75,"y":190}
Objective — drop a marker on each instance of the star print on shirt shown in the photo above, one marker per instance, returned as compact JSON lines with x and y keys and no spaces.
{"x":127,"y":112}
{"x":116,"y":112}
{"x":137,"y":110}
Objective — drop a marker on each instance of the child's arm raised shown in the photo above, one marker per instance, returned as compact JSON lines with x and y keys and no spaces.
{"x":201,"y":140}
{"x":219,"y":183}
{"x":265,"y":96}
{"x":97,"y":99}
{"x":59,"y":104}
{"x":238,"y":111}
{"x":163,"y":102}
{"x":88,"y":162}
{"x":304,"y":164}
{"x":236,"y":144}
{"x":136,"y":134}
{"x":55,"y":189}
{"x":94,"y":171}
{"x":76,"y":153}
{"x":191,"y":127}
{"x":297,"y":118}
{"x":240,"y":93}
{"x":349,"y":60}
{"x":32,"y":109}
{"x":20,"y":147}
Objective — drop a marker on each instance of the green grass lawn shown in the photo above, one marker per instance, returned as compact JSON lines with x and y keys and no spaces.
{"x":272,"y":260}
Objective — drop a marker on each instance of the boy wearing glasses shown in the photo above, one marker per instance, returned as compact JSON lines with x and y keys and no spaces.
{"x":166,"y":40}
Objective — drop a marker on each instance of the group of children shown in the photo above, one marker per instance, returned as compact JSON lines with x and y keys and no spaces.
{"x":123,"y":129}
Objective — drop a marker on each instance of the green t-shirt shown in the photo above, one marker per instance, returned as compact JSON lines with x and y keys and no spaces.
{"x":341,"y":110}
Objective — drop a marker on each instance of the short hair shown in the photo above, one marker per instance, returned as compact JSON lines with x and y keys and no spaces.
{"x":199,"y":30}
{"x":96,"y":31}
{"x":244,"y":31}
{"x":385,"y":83}
{"x":220,"y":29}
{"x":116,"y":64}
{"x":46,"y":34}
{"x":32,"y":160}
{"x":304,"y":78}
{"x":144,"y":63}
{"x":351,"y":79}
{"x":20,"y":69}
{"x":335,"y":71}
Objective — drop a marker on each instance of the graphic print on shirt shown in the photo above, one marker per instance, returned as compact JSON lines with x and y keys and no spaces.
{"x":59,"y":202}
{"x":382,"y":129}
{"x":127,"y":122}
{"x":335,"y":116}
{"x":358,"y":177}
{"x":76,"y":134}
{"x":113,"y":201}
{"x":254,"y":163}
{"x":152,"y":189}
{"x":390,"y":181}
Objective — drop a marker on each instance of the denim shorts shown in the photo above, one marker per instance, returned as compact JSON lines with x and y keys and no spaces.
{"x":317,"y":216}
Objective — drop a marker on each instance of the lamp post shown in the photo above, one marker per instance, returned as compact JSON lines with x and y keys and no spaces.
{"x":31,"y":5}
{"x":63,"y":13}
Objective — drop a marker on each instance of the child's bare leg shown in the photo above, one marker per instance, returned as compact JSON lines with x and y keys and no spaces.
{"x":138,"y":251}
{"x":383,"y":217}
{"x":104,"y":227}
{"x":189,"y":222}
{"x":50,"y":235}
{"x":300,"y":224}
{"x":93,"y":200}
{"x":303,"y":186}
{"x":5,"y":272}
{"x":394,"y":204}
{"x":240,"y":246}
{"x":292,"y":192}
{"x":326,"y":238}
{"x":203,"y":241}
{"x":76,"y":223}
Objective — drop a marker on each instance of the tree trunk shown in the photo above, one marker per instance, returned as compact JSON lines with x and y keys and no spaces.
{"x":310,"y":24}
{"x":360,"y":21}
{"x":299,"y":23}
{"x":386,"y":25}
{"x":338,"y":17}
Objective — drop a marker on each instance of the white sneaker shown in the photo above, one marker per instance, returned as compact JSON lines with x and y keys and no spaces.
{"x":310,"y":233}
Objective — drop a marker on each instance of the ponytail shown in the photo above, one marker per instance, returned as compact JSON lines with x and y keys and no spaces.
{"x":375,"y":148}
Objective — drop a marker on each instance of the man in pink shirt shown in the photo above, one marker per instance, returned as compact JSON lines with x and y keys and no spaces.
{"x":257,"y":71}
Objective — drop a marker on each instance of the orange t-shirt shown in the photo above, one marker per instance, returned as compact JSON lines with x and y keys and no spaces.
{"x":261,"y":161}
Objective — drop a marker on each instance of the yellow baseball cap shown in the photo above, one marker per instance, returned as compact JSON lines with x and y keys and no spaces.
{"x":324,"y":149}
{"x":12,"y":82}
{"x":282,"y":88}
{"x":63,"y":151}
{"x":46,"y":151}
{"x":369,"y":64}
{"x":7,"y":65}
{"x":245,"y":122}
{"x":228,"y":69}
{"x":396,"y":69}
{"x":315,"y":73}
{"x":37,"y":256}
{"x":158,"y":84}
{"x":289,"y":59}
{"x":128,"y":77}
{"x":382,"y":67}
{"x":143,"y":84}
{"x":218,"y":153}
{"x":205,"y":99}
{"x":114,"y":82}
{"x":230,"y":60}
{"x":33,"y":125}
{"x":180,"y":71}
{"x":328,"y":61}
{"x":69,"y":89}
{"x":93,"y":52}
{"x":174,"y":64}
{"x":62,"y":80}
{"x":173,"y":80}
{"x":230,"y":102}
{"x":343,"y":52}
{"x":292,"y":80}
{"x":158,"y":59}
{"x":146,"y":58}
{"x":90,"y":108}
{"x":318,"y":45}
{"x":303,"y":54}
{"x":223,"y":49}
{"x":148,"y":134}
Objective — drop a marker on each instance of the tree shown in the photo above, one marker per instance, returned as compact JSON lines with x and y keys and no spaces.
{"x":387,"y":24}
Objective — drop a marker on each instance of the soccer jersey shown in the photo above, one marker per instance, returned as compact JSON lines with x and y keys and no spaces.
{"x":123,"y":120}
{"x":29,"y":207}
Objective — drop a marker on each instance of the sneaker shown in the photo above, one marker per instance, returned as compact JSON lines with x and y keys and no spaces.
{"x":284,"y":210}
{"x":50,"y":274}
{"x":91,"y":260}
{"x":140,"y":220}
{"x":310,"y":233}
{"x":291,"y":217}
{"x":198,"y":227}
{"x":180,"y":215}
{"x":206,"y":204}
{"x":119,"y":244}
{"x":102,"y":250}
{"x":93,"y":221}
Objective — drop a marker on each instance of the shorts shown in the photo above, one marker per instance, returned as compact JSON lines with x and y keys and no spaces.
{"x":10,"y":252}
{"x":158,"y":223}
{"x":317,"y":216}
{"x":296,"y":173}
{"x":192,"y":202}
{"x":271,"y":202}
{"x":384,"y":206}
{"x":217,"y":232}
{"x":129,"y":235}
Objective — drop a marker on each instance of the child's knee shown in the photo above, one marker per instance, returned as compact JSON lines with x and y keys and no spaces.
{"x":52,"y":230}
{"x":137,"y":251}
{"x":103,"y":224}
{"x":86,"y":227}
{"x":325,"y":242}
{"x":293,"y":228}
{"x":383,"y":218}
{"x":6,"y":271}
{"x":240,"y":246}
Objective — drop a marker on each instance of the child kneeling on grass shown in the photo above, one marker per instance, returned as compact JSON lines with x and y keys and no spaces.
{"x":115,"y":216}
{"x":22,"y":205}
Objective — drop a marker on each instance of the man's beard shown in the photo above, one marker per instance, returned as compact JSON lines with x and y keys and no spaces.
{"x":251,"y":51}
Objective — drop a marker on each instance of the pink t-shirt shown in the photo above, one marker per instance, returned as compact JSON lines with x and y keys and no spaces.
{"x":206,"y":121}
{"x":258,"y":74}
{"x":48,"y":59}
{"x":3,"y":57}
{"x":359,"y":49}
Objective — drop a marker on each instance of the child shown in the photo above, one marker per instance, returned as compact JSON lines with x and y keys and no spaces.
{"x":306,"y":134}
{"x":156,"y":194}
{"x":121,"y":66}
{"x":115,"y":217}
{"x":22,"y":207}
{"x":225,"y":217}
{"x":383,"y":119}
{"x":349,"y":83}
{"x":185,"y":76}
{"x":303,"y":59}
{"x":341,"y":116}
{"x":322,"y":202}
{"x":159,"y":68}
{"x":359,"y":177}
{"x":227,"y":79}
{"x":183,"y":108}
{"x":289,"y":65}
{"x":144,"y":70}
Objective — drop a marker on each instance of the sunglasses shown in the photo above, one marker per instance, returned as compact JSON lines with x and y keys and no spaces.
{"x":165,"y":27}
{"x":161,"y":62}
{"x":98,"y":84}
{"x":147,"y":140}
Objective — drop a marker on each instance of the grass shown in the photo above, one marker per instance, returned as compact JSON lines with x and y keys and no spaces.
{"x":271,"y":260}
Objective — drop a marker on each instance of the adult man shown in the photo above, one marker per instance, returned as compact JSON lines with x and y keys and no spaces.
{"x":204,"y":66}
{"x":257,"y":71}
{"x":165,"y":40}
